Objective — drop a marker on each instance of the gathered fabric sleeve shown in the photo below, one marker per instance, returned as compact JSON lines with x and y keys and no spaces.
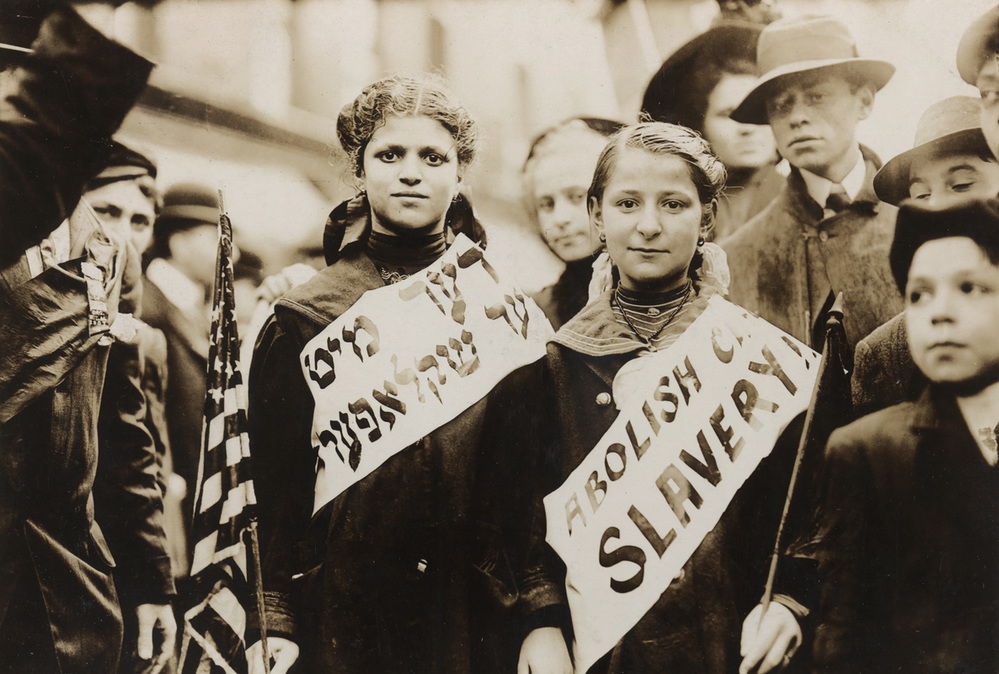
{"x":128,"y":493}
{"x":280,"y":420}
{"x":57,"y":115}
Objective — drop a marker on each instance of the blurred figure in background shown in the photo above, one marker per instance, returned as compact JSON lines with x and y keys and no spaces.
{"x":61,"y":279}
{"x":130,"y":491}
{"x":180,"y":276}
{"x":949,"y":163}
{"x":754,"y":11}
{"x":557,"y":173}
{"x":248,"y":274}
{"x":699,"y":86}
{"x":826,"y":232}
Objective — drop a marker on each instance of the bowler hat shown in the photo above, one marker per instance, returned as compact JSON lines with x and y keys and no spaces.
{"x":951,"y":125}
{"x":915,"y":225}
{"x":805,"y":44}
{"x":977,"y":44}
{"x":123,"y":163}
{"x":663,"y":100}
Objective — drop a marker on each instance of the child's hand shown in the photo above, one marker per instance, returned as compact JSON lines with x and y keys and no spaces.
{"x":769,"y":641}
{"x":283,"y":654}
{"x":544,"y":652}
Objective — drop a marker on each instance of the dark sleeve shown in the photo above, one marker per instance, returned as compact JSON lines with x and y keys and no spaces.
{"x":845,"y":635}
{"x":57,"y":115}
{"x":756,"y":509}
{"x":280,"y":421}
{"x":542,"y":601}
{"x":127,"y":493}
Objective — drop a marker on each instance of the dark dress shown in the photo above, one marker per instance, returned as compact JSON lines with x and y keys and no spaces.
{"x":563,"y":299}
{"x":695,"y":627}
{"x":405,"y":571}
{"x":909,"y":557}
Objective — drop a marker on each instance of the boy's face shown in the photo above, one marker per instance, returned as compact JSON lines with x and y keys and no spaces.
{"x":988,"y":86}
{"x":814,"y":118}
{"x":944,"y":179}
{"x":952,"y":312}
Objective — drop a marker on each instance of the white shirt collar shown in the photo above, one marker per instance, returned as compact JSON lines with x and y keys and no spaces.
{"x":180,"y":291}
{"x":819,"y":187}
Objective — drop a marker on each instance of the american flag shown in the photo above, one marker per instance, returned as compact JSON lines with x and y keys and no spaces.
{"x":225,"y":505}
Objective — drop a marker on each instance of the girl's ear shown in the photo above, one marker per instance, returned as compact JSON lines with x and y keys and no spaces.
{"x":708,"y":219}
{"x":596,"y":217}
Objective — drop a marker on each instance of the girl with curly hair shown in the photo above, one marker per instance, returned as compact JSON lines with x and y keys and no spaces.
{"x":402,"y":570}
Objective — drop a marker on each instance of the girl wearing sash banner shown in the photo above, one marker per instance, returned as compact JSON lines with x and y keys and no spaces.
{"x":653,"y":199}
{"x":400,"y":571}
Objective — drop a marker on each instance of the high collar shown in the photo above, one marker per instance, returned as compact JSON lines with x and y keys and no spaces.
{"x":800,"y":201}
{"x":595,"y":331}
{"x":819,"y":187}
{"x":350,"y":222}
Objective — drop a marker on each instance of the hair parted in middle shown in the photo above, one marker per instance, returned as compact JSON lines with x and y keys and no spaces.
{"x":706,"y":171}
{"x":404,"y":96}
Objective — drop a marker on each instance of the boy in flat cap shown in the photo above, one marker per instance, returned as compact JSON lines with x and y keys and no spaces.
{"x":908,"y":543}
{"x":826,"y":232}
{"x":949,"y":163}
{"x":978,"y":65}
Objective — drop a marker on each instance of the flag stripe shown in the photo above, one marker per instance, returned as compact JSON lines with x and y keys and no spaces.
{"x":214,"y":628}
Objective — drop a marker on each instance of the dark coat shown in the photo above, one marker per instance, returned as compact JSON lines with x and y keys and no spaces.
{"x":696,"y":624}
{"x":786,"y":261}
{"x":128,"y":494}
{"x":909,"y":559}
{"x":563,"y":299}
{"x":187,"y":363}
{"x":739,"y":204}
{"x":405,"y":570}
{"x":56,"y":589}
{"x":883,"y":371}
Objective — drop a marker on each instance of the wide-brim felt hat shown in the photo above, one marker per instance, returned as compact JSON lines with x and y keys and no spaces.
{"x":977,"y":44}
{"x":951,"y":125}
{"x":805,"y":44}
{"x":728,"y":40}
{"x":915,"y":225}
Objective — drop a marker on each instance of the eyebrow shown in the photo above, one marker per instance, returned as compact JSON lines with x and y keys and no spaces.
{"x":962,"y":167}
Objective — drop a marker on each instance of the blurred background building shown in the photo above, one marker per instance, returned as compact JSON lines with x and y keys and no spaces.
{"x":247,"y":91}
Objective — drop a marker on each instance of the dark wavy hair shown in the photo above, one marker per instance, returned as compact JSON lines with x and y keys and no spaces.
{"x":403,"y":96}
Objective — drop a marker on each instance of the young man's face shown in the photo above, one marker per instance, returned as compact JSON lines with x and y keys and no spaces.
{"x":945,"y":179}
{"x":952,"y":312}
{"x":988,"y":86}
{"x":814,"y":118}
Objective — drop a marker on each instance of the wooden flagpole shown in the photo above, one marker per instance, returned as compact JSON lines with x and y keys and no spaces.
{"x":834,"y":320}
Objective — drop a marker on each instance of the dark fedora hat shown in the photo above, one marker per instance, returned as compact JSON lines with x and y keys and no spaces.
{"x":950,"y":125}
{"x":915,"y":225}
{"x":729,"y":40}
{"x":805,"y":44}
{"x":980,"y":40}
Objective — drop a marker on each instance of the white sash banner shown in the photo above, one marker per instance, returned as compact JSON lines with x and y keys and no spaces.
{"x":696,"y":419}
{"x":407,"y":358}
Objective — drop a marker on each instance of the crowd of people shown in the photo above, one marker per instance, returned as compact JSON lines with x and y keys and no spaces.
{"x":742,"y":183}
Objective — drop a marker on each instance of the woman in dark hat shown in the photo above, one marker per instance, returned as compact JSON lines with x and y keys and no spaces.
{"x":698,"y":87}
{"x":401,"y":570}
{"x":557,"y":171}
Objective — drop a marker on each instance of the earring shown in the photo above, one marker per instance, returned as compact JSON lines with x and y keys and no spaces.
{"x":603,"y":238}
{"x":700,"y":241}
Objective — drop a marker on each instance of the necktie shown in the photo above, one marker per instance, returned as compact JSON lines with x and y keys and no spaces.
{"x":837,"y":199}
